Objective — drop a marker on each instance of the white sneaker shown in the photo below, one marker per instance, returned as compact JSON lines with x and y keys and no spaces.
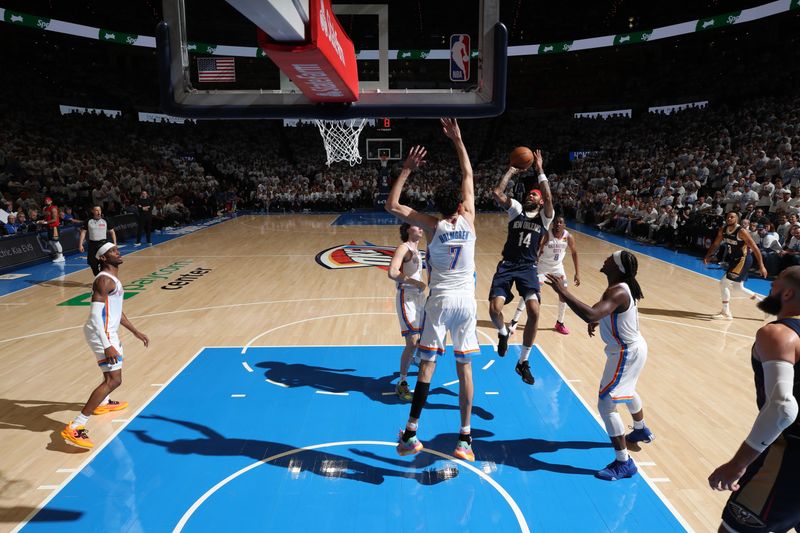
{"x":138,"y":244}
{"x":722,"y":315}
{"x":59,"y":259}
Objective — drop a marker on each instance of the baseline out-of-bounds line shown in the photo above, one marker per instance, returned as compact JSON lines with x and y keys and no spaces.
{"x":523,"y":525}
{"x":98,"y":449}
{"x":597,"y":419}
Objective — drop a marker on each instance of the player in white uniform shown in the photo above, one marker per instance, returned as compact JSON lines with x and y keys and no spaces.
{"x":406,"y":270}
{"x":551,"y":261}
{"x":100,"y":330}
{"x":451,"y":303}
{"x":626,"y":353}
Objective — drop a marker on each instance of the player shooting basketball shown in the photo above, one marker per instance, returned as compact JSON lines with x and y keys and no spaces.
{"x":527,"y":225}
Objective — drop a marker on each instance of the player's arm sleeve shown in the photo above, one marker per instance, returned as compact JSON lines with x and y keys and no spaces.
{"x":515,"y":210}
{"x":97,"y":319}
{"x":548,"y":221}
{"x":780,"y":410}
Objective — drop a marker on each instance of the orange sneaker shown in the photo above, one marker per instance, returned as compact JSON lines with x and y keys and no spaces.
{"x":464,"y":451}
{"x":110,"y":406}
{"x":77,"y":436}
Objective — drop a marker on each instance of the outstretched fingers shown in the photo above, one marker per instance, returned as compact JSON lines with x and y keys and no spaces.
{"x":537,"y":158}
{"x":450,"y":127}
{"x":416,"y":157}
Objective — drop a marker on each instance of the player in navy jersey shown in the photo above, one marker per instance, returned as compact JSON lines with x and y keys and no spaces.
{"x":764,"y":474}
{"x":740,"y":249}
{"x":527,"y":225}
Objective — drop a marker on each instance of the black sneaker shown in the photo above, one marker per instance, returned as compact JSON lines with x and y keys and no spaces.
{"x":524,"y":370}
{"x":512,"y":327}
{"x":502,"y":344}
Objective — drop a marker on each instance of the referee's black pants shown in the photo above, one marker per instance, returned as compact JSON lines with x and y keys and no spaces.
{"x":145,"y":224}
{"x":91,"y":250}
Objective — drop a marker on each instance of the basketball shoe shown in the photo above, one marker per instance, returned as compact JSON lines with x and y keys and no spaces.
{"x":523,"y":368}
{"x":617,"y":470}
{"x":561,"y":328}
{"x":77,"y":436}
{"x":640,"y":435}
{"x":502,"y":344}
{"x":722,"y":315}
{"x":464,"y":450}
{"x":408,"y":447}
{"x":108,"y":407}
{"x":403,"y":392}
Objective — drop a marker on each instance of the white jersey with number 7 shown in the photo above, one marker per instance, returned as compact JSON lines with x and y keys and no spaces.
{"x":451,"y":257}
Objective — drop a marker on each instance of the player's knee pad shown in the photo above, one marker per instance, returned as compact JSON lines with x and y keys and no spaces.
{"x":635,"y":405}
{"x":610,"y":416}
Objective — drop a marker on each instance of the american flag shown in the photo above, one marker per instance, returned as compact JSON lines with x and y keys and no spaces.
{"x":216,"y":69}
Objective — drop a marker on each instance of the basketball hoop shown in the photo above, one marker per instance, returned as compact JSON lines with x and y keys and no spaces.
{"x":341,"y":139}
{"x":384,"y":160}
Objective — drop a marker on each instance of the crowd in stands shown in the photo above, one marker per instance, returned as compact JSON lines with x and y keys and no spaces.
{"x":659,"y":179}
{"x":670,"y":180}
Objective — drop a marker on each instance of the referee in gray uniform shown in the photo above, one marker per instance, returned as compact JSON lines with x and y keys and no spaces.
{"x":99,"y":232}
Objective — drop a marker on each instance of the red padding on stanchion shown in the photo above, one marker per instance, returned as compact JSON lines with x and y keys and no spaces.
{"x":324,"y":68}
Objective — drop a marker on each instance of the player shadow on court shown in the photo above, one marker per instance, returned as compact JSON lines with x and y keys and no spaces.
{"x":59,"y":283}
{"x":517,"y":453}
{"x":214,"y":444}
{"x":11,"y":488}
{"x":680,"y":313}
{"x":342,"y":380}
{"x":18,"y":514}
{"x":31,"y":415}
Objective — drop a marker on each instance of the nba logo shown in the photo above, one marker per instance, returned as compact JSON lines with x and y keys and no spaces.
{"x":459,"y":57}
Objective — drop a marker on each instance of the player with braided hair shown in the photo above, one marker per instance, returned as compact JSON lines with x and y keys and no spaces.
{"x":626,"y":353}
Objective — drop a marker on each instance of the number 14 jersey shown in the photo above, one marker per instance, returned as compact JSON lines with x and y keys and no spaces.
{"x":524,"y":234}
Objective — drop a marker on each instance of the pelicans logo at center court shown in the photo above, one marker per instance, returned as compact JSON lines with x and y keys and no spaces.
{"x":356,"y":256}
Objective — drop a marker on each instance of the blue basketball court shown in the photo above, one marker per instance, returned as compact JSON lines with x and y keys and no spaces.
{"x":302,"y":438}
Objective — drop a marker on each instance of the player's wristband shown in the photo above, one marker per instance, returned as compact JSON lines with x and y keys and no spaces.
{"x":542,"y":178}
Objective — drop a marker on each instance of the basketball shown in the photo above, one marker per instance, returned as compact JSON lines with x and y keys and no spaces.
{"x":521,"y":158}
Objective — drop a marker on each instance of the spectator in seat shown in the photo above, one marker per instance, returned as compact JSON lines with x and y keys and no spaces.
{"x":10,"y":227}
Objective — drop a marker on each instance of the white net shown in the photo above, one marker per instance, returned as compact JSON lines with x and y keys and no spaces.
{"x":341,"y":139}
